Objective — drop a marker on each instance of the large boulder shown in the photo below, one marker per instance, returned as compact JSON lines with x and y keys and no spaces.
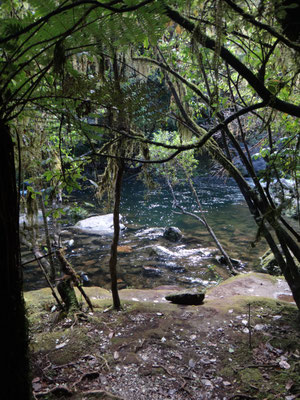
{"x":98,"y":225}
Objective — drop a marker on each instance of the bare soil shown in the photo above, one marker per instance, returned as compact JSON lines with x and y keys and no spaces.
{"x":242,"y":343}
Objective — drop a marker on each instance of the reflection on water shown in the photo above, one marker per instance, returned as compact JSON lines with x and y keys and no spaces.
{"x":147,"y":259}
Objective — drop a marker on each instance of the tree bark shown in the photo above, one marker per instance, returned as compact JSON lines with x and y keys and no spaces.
{"x":67,"y":293}
{"x":15,"y":361}
{"x":115,"y":241}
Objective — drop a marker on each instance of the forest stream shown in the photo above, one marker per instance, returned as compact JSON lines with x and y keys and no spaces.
{"x":146,"y":258}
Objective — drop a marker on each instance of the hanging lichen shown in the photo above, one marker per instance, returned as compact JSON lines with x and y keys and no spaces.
{"x":216,"y":57}
{"x":32,"y":217}
{"x":120,"y":148}
{"x":59,"y":58}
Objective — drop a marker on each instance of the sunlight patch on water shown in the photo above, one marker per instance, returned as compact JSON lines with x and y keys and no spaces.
{"x":152,"y":233}
{"x":198,"y":280}
{"x":179,"y":251}
{"x":196,"y":260}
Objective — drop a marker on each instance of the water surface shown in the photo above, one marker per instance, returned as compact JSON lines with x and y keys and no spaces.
{"x":149,"y":260}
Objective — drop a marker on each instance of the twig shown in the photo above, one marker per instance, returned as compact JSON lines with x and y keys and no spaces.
{"x":103,"y":394}
{"x":49,"y":283}
{"x":259,"y":366}
{"x":86,"y":375}
{"x":182,"y":387}
{"x":202,"y":220}
{"x":38,"y":258}
{"x":249,"y":327}
{"x":105,"y":362}
{"x":139,"y":346}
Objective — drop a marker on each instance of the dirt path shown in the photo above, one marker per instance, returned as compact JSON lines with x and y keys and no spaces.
{"x":154,"y":350}
{"x":251,"y":284}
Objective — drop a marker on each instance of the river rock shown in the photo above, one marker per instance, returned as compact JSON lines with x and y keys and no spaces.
{"x":98,"y":225}
{"x":172,"y":233}
{"x":172,"y":266}
{"x":187,"y":298}
{"x":124,"y":249}
{"x":151,"y":271}
{"x":160,"y":252}
{"x":235,"y":263}
{"x":269,"y":264}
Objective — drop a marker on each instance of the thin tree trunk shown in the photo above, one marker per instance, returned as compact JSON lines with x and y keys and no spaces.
{"x":14,"y":359}
{"x":48,"y":241}
{"x":210,"y":230}
{"x":57,"y":203}
{"x":115,"y":241}
{"x":286,"y":263}
{"x":203,"y":222}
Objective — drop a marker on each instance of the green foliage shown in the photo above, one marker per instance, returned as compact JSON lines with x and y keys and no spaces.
{"x":76,"y":63}
{"x":184,"y":164}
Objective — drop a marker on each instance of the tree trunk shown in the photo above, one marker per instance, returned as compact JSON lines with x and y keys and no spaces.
{"x":67,"y":293}
{"x":48,"y":241}
{"x":15,"y":362}
{"x":285,"y":261}
{"x":114,"y":245}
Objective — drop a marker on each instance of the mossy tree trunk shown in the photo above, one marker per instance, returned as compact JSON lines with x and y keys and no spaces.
{"x":66,"y":286}
{"x":67,"y":293}
{"x":15,"y":362}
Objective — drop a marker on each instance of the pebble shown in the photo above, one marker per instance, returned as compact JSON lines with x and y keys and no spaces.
{"x":207,"y":383}
{"x":260,"y":327}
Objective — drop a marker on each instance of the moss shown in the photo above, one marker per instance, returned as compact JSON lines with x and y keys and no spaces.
{"x":269,"y":264}
{"x":67,"y":293}
{"x":251,"y":376}
{"x":272,"y":306}
{"x":249,"y":275}
{"x":39,"y":299}
{"x":63,"y":346}
{"x":227,"y":372}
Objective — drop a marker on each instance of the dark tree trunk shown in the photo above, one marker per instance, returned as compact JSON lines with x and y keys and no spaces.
{"x":15,"y":362}
{"x":288,"y":244}
{"x":114,"y":245}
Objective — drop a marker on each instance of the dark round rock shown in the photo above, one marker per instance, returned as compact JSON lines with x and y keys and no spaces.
{"x":172,"y":233}
{"x":186,"y":298}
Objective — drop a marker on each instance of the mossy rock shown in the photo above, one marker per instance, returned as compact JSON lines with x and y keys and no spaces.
{"x":186,"y":298}
{"x":269,"y":264}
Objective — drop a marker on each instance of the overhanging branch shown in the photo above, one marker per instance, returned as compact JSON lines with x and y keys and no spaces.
{"x":235,"y":63}
{"x":261,"y":25}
